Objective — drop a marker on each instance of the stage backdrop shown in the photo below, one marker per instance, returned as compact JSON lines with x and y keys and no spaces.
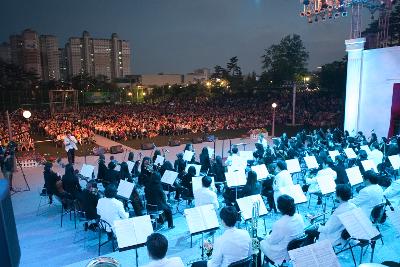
{"x":380,"y":72}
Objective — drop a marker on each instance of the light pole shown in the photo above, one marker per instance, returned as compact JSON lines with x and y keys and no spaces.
{"x":274,"y":105}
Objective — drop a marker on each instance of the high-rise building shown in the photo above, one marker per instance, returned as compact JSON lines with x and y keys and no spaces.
{"x":49,"y":57}
{"x":25,"y":51}
{"x":63,"y":60}
{"x":5,"y":52}
{"x":94,"y":56}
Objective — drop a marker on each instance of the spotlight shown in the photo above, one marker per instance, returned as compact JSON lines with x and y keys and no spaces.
{"x":302,"y":14}
{"x":336,"y":15}
{"x":308,"y":13}
{"x":344,"y":14}
{"x":323,"y":18}
{"x":330,"y":8}
{"x":309,"y":20}
{"x":316,"y":11}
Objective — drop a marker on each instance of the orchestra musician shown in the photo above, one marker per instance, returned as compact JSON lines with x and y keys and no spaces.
{"x":157,"y":247}
{"x":205,"y":195}
{"x":70,"y":146}
{"x":205,"y":160}
{"x":50,"y":180}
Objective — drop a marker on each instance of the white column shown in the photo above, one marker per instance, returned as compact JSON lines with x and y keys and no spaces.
{"x":354,"y":48}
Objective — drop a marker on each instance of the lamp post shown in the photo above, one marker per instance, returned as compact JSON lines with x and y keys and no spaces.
{"x":274,"y":105}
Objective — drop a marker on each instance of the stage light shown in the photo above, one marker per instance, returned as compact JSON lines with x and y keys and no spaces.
{"x":336,"y":15}
{"x":344,"y":14}
{"x":26,"y":114}
{"x":302,"y":14}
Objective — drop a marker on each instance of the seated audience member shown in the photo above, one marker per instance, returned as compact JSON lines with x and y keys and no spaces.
{"x":109,"y":208}
{"x":50,"y":181}
{"x":287,"y":228}
{"x":252,"y":187}
{"x":71,"y":182}
{"x":371,"y":195}
{"x":333,"y":228}
{"x":157,"y":247}
{"x":233,"y":245}
{"x":155,"y":196}
{"x":393,"y":193}
{"x":205,"y":195}
{"x":88,"y":200}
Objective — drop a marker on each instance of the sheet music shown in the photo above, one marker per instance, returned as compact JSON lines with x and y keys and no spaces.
{"x":201,"y":218}
{"x":295,"y":192}
{"x":188,"y":155}
{"x":117,"y":167}
{"x":311,"y":162}
{"x":395,"y":161}
{"x":394,"y":218}
{"x":235,"y":178}
{"x":125,"y":189}
{"x":350,"y":153}
{"x":366,"y":148}
{"x":197,"y":183}
{"x":238,"y":163}
{"x":261,"y":171}
{"x":333,"y":154}
{"x":131,"y":164}
{"x":210,"y":151}
{"x":159,"y":160}
{"x":358,"y":225}
{"x":246,"y":206}
{"x":246,"y":155}
{"x":293,"y":165}
{"x":133,"y":231}
{"x":354,"y":175}
{"x":197,"y":167}
{"x":326,"y":184}
{"x":169,"y":177}
{"x":318,"y":254}
{"x":87,"y":170}
{"x":369,"y":165}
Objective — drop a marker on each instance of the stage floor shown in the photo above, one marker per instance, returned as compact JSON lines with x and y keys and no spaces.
{"x":44,"y":243}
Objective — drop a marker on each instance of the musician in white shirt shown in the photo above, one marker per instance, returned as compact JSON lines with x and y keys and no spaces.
{"x":109,"y":208}
{"x":205,"y":195}
{"x":282,"y":178}
{"x":234,"y":157}
{"x":393,"y":193}
{"x":375,"y":155}
{"x":157,"y":247}
{"x":369,"y":196}
{"x":287,"y":228}
{"x":70,"y":146}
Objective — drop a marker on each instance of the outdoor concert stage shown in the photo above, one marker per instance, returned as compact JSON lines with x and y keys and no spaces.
{"x":44,"y":243}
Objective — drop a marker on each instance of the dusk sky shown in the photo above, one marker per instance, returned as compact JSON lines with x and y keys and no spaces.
{"x":178,"y":36}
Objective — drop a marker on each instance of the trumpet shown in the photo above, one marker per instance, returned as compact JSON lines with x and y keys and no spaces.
{"x":255,"y":214}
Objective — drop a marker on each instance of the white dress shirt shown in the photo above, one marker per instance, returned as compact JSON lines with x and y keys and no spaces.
{"x":166,"y":262}
{"x":368,"y":198}
{"x":204,"y":196}
{"x":393,"y":193}
{"x":376,"y":156}
{"x":233,"y":245}
{"x":284,"y":230}
{"x":282,"y":179}
{"x":70,"y":143}
{"x":110,"y":210}
{"x":333,"y":228}
{"x":314,"y":187}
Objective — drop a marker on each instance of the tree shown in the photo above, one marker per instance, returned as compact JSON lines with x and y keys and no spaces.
{"x":285,"y":61}
{"x":394,"y":26}
{"x":333,"y":76}
{"x":219,"y":72}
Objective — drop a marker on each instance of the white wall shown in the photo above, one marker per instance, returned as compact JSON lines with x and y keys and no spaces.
{"x":380,"y":70}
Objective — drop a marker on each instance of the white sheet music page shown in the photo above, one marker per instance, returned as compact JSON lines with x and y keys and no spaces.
{"x":354,"y":175}
{"x":143,"y":228}
{"x":159,"y":160}
{"x":117,"y":167}
{"x":169,"y":177}
{"x":395,"y":161}
{"x":317,"y":254}
{"x":333,"y":154}
{"x":196,"y":166}
{"x":326,"y":184}
{"x":125,"y":189}
{"x":394,"y":218}
{"x":238,"y":163}
{"x":209,"y":216}
{"x":246,"y":206}
{"x":293,"y":165}
{"x":246,"y":155}
{"x":358,"y":225}
{"x":366,"y":149}
{"x":366,"y":223}
{"x":125,"y":232}
{"x":261,"y":171}
{"x":87,"y":170}
{"x":295,"y":192}
{"x":194,"y":220}
{"x":210,"y":152}
{"x":131,"y":164}
{"x":188,"y":155}
{"x":235,"y":178}
{"x":369,"y":165}
{"x":311,"y":162}
{"x":350,"y":153}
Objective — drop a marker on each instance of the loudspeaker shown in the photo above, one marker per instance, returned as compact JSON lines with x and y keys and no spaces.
{"x":147,"y":146}
{"x":10,"y":252}
{"x":99,"y":150}
{"x":197,"y":140}
{"x":116,"y":149}
{"x":174,"y":142}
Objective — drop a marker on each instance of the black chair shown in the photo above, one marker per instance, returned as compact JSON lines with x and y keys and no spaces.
{"x":68,"y":206}
{"x":247,"y":262}
{"x":155,"y":214}
{"x":103,"y":226}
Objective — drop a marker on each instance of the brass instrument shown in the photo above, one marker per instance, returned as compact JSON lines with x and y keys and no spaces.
{"x":103,"y":262}
{"x":254,"y":226}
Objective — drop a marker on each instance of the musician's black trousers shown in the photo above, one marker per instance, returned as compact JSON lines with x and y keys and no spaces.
{"x":199,"y":264}
{"x":71,"y":156}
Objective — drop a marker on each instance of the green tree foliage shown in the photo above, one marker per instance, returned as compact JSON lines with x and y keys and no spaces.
{"x":333,"y":76}
{"x":285,"y":61}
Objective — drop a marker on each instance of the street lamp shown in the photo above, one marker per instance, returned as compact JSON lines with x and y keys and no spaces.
{"x":274,"y":105}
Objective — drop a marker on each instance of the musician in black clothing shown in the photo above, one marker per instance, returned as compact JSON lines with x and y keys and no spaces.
{"x":88,"y":200}
{"x":205,"y":160}
{"x":124,"y":173}
{"x":71,"y":182}
{"x":112,"y":176}
{"x":185,"y":187}
{"x":155,"y":196}
{"x":102,"y":173}
{"x":218,"y":171}
{"x":340,"y":170}
{"x":252,"y":187}
{"x":145,"y":172}
{"x":50,"y":180}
